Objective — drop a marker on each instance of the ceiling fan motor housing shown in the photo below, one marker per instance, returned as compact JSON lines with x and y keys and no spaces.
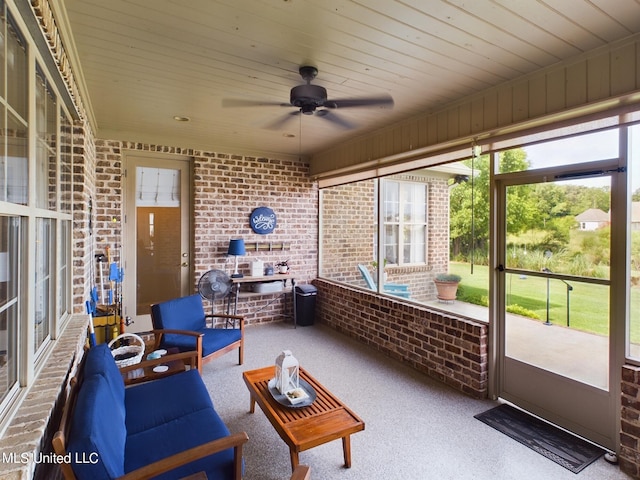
{"x":308,"y":97}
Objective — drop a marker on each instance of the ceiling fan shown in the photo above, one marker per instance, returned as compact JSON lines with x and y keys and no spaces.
{"x":311,"y":99}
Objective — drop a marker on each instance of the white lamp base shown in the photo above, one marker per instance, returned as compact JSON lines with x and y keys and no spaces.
{"x":235,"y":273}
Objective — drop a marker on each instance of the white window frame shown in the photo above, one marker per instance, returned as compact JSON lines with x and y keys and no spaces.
{"x":401,"y":222}
{"x":32,"y":358}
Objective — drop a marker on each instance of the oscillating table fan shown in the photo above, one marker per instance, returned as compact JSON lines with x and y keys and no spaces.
{"x":213,"y":285}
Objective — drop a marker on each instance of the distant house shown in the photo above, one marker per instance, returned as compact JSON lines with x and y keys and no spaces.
{"x":592,"y":219}
{"x":635,"y":216}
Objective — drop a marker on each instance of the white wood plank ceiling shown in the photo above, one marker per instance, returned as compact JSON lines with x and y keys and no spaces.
{"x":144,"y":62}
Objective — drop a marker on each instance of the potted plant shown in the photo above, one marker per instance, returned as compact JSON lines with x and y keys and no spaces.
{"x":447,"y":286}
{"x":283,"y":267}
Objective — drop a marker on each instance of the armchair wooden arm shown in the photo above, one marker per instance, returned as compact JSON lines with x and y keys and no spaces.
{"x":189,"y":358}
{"x":235,"y":441}
{"x":228,"y":317}
{"x":158,"y":333}
{"x":158,"y":339}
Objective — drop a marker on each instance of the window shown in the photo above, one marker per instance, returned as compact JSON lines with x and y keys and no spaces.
{"x":46,"y":117}
{"x":14,"y":171}
{"x":633,"y":294}
{"x":64,"y":274}
{"x":42,"y":290}
{"x":11,"y":257}
{"x":31,"y":313}
{"x":405,"y":222}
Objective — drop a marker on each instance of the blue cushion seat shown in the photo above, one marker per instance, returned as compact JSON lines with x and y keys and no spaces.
{"x":118,"y":430}
{"x":151,"y":404}
{"x":213,"y":340}
{"x":177,"y":435}
{"x":97,"y":428}
{"x":99,"y":361}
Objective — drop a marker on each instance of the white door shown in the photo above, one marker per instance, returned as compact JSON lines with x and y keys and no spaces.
{"x":559,"y":367}
{"x":156,"y":235}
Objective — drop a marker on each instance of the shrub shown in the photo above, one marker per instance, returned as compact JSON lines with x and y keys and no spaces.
{"x":448,"y":277}
{"x":525,"y":312}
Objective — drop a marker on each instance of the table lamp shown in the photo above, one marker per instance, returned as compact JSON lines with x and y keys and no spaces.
{"x":236,"y":247}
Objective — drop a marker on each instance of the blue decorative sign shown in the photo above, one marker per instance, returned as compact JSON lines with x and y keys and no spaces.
{"x":263,"y":220}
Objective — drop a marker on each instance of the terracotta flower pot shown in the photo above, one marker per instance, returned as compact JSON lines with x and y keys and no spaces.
{"x":446,"y":290}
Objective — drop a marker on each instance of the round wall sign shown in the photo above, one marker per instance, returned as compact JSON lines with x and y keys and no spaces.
{"x":263,"y":220}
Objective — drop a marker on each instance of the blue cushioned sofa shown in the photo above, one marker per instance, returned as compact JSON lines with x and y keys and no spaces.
{"x":166,"y":428}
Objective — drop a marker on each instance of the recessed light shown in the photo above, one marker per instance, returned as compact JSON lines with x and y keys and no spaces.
{"x":178,"y":118}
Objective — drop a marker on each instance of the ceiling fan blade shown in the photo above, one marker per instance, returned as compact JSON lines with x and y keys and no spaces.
{"x":335,"y":119}
{"x":241,"y":102}
{"x":282,"y":121}
{"x":380,"y":101}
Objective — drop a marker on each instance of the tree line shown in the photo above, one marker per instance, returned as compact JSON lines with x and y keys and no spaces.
{"x":545,"y":212}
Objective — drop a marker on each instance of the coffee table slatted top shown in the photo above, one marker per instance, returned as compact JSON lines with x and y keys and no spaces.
{"x":326,"y":419}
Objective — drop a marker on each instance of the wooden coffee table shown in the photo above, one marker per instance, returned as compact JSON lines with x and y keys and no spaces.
{"x":326,"y":419}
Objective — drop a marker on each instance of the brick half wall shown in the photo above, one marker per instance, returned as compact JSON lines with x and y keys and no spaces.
{"x":629,"y":457}
{"x":447,"y":348}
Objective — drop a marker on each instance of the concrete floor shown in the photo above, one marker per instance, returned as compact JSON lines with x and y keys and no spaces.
{"x":416,"y":428}
{"x":579,"y":355}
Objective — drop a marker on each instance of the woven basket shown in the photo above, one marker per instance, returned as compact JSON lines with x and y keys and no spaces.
{"x":131,"y":353}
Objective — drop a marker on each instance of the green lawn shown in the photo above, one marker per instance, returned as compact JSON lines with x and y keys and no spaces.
{"x":589,"y":304}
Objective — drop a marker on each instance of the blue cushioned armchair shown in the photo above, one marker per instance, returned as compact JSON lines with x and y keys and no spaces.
{"x":183,"y":324}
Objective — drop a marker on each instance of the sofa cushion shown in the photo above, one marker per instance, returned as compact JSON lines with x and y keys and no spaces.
{"x":153,"y":403}
{"x":100,"y":361}
{"x":216,"y":338}
{"x":178,"y":435}
{"x":184,"y":313}
{"x":98,"y":432}
{"x":213,"y":340}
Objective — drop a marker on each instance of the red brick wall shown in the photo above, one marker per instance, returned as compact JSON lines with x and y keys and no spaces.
{"x":348,"y":229}
{"x":447,"y":348}
{"x":226,"y":189}
{"x":84,"y":193}
{"x":348,"y":219}
{"x":629,"y":457}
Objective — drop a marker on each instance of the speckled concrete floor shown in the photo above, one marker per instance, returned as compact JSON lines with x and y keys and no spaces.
{"x":416,"y":428}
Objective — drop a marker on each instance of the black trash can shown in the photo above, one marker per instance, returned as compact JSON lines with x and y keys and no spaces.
{"x":305,"y":304}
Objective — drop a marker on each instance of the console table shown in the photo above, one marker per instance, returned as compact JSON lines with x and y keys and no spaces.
{"x":242,"y":289}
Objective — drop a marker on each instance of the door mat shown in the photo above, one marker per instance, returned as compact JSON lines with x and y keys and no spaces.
{"x":565,"y":449}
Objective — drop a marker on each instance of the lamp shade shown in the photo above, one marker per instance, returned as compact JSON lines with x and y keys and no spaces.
{"x":236,"y":247}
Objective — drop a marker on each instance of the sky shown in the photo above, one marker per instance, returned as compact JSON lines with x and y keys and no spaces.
{"x":592,"y":147}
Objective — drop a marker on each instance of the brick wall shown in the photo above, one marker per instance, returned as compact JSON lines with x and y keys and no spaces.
{"x":348,"y":230}
{"x":226,"y":189}
{"x":452,"y":350}
{"x":629,"y":456}
{"x":84,"y":194}
{"x":348,"y":215}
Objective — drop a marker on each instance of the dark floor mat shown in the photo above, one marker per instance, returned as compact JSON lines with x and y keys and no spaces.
{"x":565,"y":449}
